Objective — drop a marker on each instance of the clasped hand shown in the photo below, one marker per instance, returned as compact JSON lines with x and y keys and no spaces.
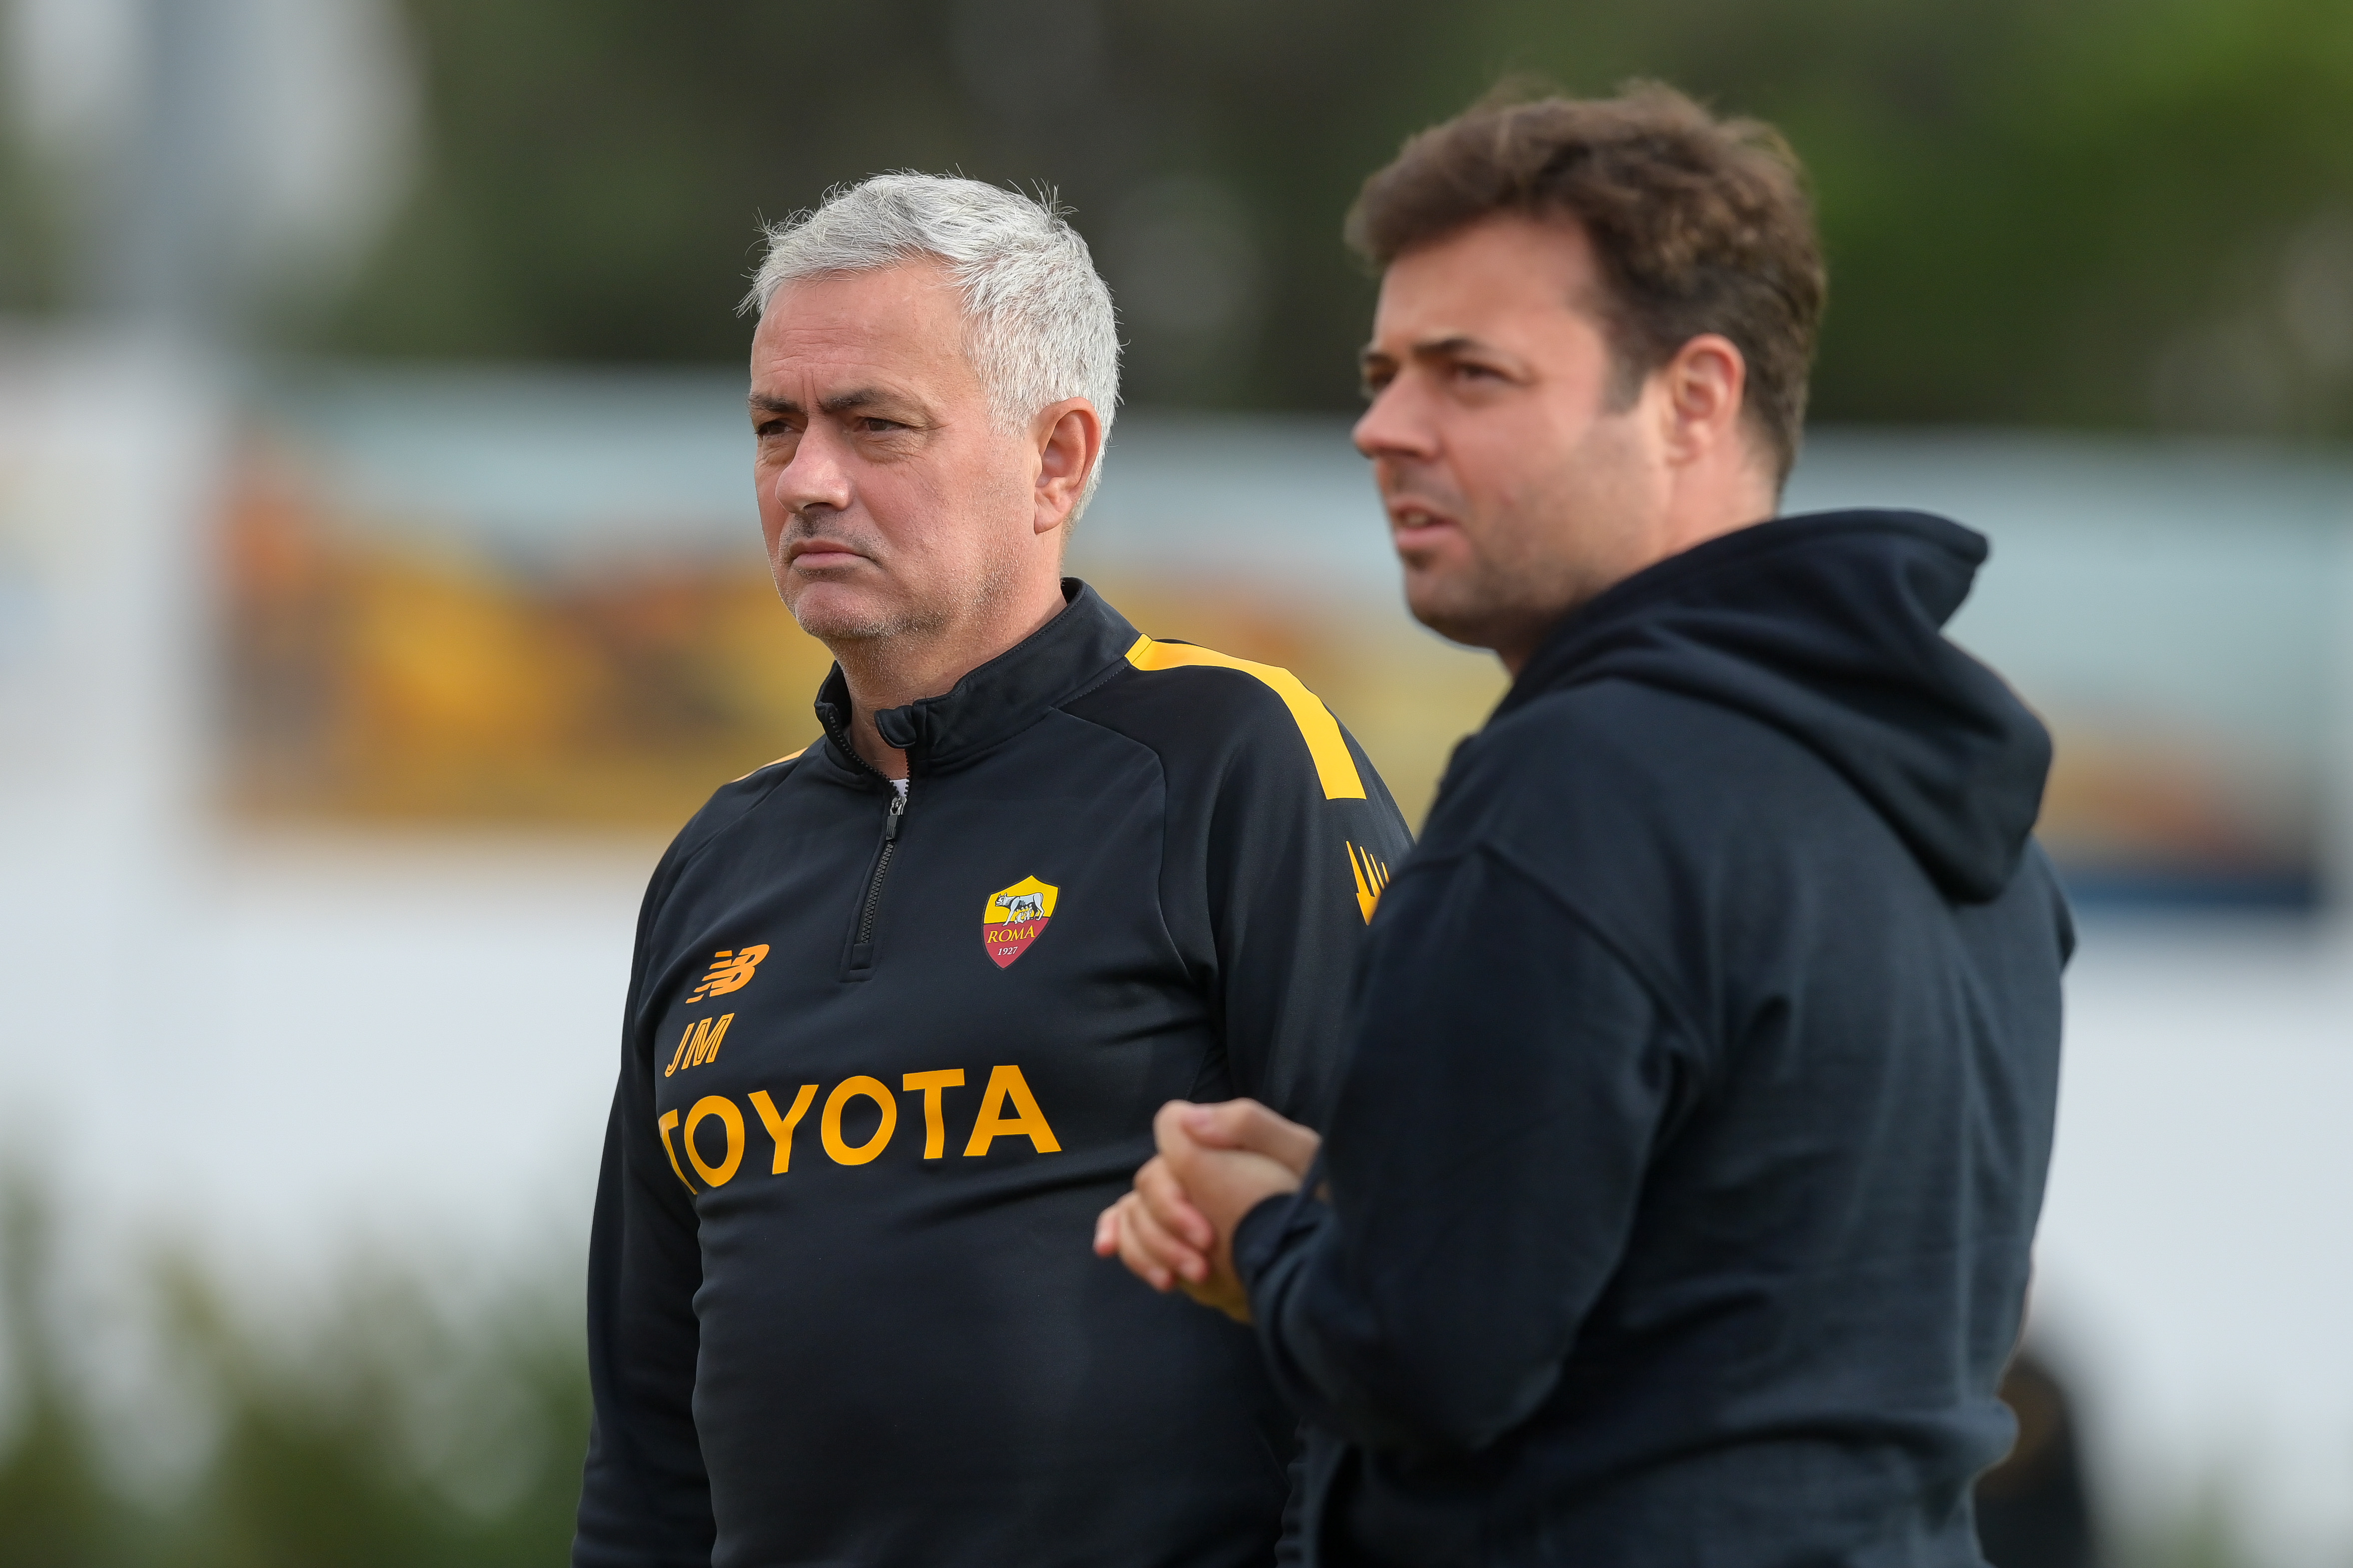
{"x":1176,"y":1229}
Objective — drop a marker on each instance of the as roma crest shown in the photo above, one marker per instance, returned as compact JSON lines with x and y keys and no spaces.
{"x":1014,"y":917}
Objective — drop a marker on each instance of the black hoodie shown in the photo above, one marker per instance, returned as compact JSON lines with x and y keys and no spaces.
{"x":1683,"y":1179}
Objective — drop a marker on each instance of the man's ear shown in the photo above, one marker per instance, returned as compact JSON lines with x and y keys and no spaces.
{"x":1070,"y":442}
{"x":1706,"y":384}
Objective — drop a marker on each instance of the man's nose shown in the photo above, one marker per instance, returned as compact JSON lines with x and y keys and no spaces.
{"x":1396,"y":425}
{"x":817,"y":476}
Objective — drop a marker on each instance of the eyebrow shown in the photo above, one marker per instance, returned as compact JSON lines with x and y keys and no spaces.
{"x":1432,"y":348}
{"x":839,"y":402}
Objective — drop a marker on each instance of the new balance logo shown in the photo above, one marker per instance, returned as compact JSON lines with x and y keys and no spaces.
{"x":730,"y":969}
{"x":698,"y":1044}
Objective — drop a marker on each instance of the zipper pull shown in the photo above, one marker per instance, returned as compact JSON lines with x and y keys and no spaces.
{"x":890,"y":823}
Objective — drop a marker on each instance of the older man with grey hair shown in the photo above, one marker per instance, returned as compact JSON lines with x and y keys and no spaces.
{"x":903,"y":1004}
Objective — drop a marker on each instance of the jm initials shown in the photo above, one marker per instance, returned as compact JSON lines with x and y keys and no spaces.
{"x":698,"y":1044}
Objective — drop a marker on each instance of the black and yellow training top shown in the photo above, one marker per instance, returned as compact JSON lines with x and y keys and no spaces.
{"x":885,"y":1061}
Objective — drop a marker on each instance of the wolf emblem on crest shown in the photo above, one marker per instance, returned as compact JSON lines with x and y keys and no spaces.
{"x":1018,"y":907}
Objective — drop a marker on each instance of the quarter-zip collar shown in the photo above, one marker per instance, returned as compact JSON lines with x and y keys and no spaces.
{"x":1069,"y":654}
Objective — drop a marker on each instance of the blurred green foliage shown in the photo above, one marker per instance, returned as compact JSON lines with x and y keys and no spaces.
{"x":2087,"y":212}
{"x":387,"y":1428}
{"x":389,"y":1424}
{"x":2084,"y":212}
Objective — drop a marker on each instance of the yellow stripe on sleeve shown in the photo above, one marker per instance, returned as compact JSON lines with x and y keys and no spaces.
{"x":765,"y":766}
{"x":1333,"y":765}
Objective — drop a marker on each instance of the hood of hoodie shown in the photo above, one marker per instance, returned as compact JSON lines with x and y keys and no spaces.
{"x":1829,"y":628}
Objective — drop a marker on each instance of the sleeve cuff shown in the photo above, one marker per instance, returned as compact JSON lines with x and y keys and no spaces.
{"x":1270,"y":1229}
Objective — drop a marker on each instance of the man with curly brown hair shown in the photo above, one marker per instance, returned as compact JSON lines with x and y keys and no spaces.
{"x":1676,"y":1206}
